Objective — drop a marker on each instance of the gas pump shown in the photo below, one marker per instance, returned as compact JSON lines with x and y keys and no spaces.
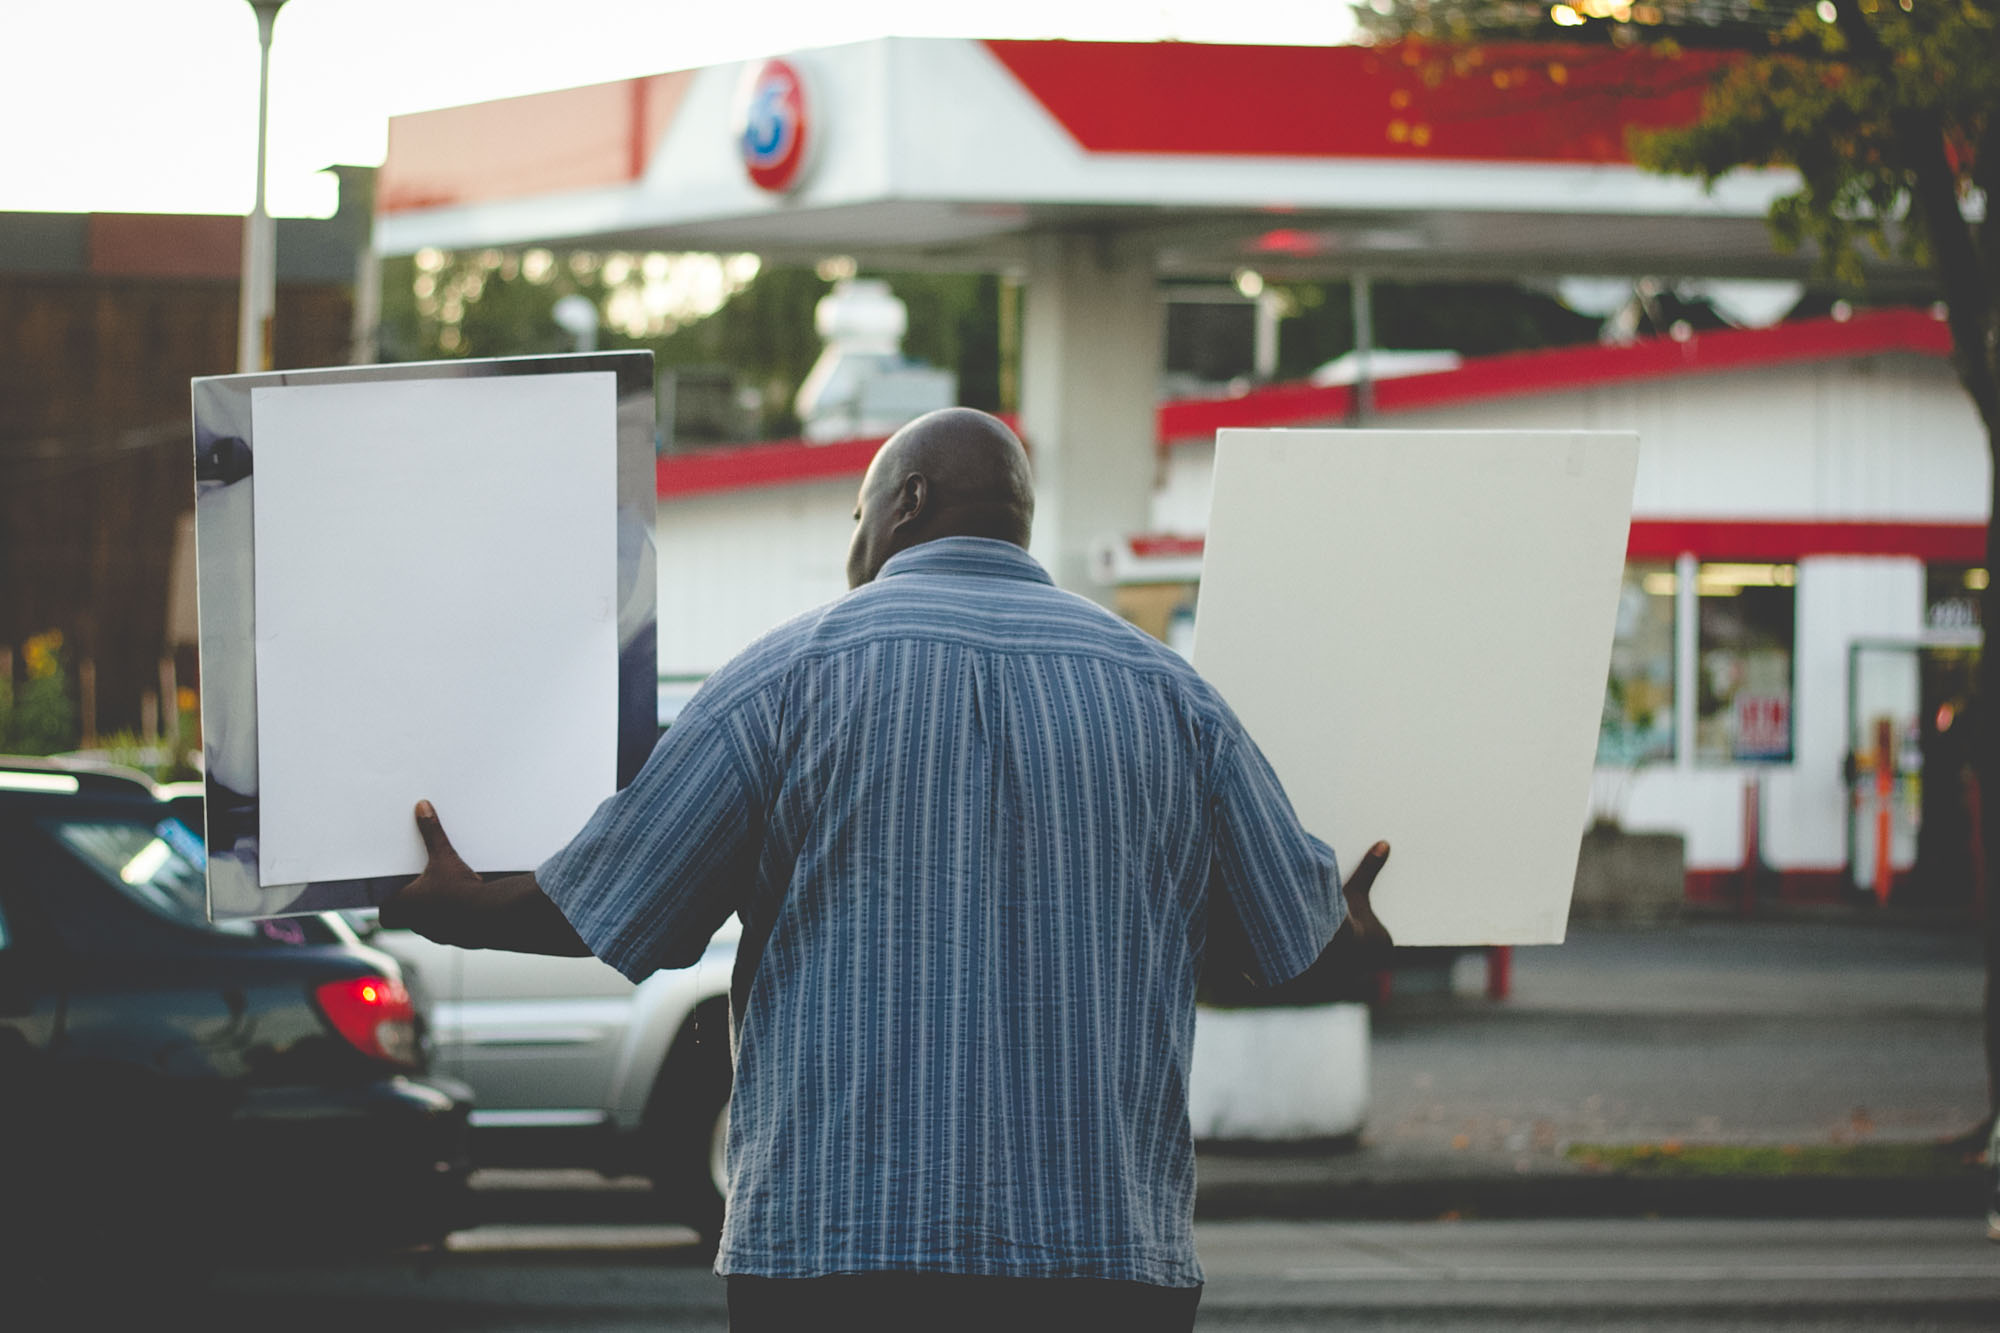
{"x":1885,"y":783}
{"x":1890,"y":685}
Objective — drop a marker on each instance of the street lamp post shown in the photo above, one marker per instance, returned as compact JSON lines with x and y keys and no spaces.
{"x":1362,"y":406}
{"x":260,"y":260}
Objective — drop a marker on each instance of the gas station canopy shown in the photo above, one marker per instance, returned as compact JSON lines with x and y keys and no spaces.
{"x":1092,"y":170}
{"x":1504,"y":161}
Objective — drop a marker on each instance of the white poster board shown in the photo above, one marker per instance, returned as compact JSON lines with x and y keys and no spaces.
{"x":1416,"y":629}
{"x":418,"y":581}
{"x":436,"y":618}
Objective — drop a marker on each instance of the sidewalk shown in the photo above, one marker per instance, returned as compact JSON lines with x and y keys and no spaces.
{"x":1710,"y":1068}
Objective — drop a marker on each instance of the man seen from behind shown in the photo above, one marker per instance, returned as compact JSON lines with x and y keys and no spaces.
{"x":975,"y":828}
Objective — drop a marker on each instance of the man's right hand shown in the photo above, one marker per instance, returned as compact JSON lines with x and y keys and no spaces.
{"x":452,"y":904}
{"x":438,"y":903}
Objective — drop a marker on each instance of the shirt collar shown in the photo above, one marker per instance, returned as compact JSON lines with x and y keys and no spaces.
{"x":967,"y":555}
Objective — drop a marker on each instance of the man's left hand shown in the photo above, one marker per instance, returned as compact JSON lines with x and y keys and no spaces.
{"x":1361,"y":919}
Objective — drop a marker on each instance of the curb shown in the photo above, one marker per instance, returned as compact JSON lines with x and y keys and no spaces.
{"x":1588,"y":1196}
{"x":1235,"y":1187}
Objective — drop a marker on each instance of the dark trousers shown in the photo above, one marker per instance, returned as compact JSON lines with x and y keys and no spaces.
{"x":929,"y":1302}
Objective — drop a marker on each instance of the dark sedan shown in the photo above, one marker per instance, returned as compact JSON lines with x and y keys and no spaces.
{"x":175,"y":1093}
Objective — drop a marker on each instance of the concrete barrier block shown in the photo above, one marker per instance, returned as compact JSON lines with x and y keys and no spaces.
{"x":1279,"y":1074}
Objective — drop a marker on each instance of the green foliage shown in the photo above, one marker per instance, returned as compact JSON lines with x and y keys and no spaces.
{"x":127,"y":750}
{"x":42,"y":719}
{"x":1704,"y":1159}
{"x":691,"y":311}
{"x":1889,"y":110}
{"x":764,"y":335}
{"x":1472,"y":319}
{"x":955,"y":323}
{"x":39,"y":717}
{"x":1853,"y":106}
{"x":1617,"y":22}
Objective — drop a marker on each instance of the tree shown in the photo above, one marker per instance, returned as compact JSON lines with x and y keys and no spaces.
{"x":1470,"y":318}
{"x":1889,"y":110}
{"x":690,"y":310}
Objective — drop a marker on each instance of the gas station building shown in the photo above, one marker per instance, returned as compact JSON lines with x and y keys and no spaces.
{"x":1810,"y":508}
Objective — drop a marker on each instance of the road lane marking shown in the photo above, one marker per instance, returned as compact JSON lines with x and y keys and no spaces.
{"x":496,"y":1237}
{"x":1610,"y":1273}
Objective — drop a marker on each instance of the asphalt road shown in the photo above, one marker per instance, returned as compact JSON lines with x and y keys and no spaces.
{"x":1711,"y":1032}
{"x":1706,"y":1032}
{"x":1641,"y":1275}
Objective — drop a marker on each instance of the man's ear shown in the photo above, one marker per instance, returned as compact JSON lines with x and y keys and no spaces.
{"x":912,"y":500}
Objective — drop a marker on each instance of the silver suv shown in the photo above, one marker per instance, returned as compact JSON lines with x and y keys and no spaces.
{"x":572,"y":1065}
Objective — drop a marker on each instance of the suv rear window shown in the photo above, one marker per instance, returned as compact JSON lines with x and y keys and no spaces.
{"x":163,"y":867}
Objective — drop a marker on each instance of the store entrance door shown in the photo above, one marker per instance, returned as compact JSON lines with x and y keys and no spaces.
{"x":1909,"y":748}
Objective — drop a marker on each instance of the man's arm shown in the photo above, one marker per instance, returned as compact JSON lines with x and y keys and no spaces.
{"x":1358,"y":949}
{"x":451,"y":904}
{"x":1285,"y":902}
{"x":657,"y":867}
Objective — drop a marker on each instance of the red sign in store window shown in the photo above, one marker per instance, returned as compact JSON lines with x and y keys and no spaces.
{"x":1763,"y":726}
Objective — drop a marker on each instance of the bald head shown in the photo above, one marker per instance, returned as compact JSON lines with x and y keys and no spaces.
{"x":955,"y":473}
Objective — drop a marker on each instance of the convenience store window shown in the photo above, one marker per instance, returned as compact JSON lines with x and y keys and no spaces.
{"x":1638,"y":720}
{"x":1952,"y":595}
{"x":1745,"y":617}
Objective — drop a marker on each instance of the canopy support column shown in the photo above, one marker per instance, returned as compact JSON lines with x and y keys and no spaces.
{"x":1090,"y":374}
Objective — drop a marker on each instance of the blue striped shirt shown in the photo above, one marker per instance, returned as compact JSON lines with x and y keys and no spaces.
{"x":975,"y":823}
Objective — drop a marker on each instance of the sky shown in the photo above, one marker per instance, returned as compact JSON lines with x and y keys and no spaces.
{"x":151,"y":105}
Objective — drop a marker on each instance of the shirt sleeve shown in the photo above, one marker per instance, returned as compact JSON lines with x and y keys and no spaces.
{"x":663,"y":863}
{"x":1280,"y":881}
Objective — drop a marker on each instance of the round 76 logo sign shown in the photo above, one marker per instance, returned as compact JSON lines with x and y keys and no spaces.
{"x":776,"y":132}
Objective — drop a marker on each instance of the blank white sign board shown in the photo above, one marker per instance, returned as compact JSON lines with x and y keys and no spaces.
{"x":1416,"y":627}
{"x":436,"y":586}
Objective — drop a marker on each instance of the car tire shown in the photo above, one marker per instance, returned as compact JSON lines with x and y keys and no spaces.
{"x":686,"y":1122}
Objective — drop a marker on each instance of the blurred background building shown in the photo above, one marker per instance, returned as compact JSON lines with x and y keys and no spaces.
{"x":104,"y":318}
{"x":1179,"y":222}
{"x":1123,"y":248}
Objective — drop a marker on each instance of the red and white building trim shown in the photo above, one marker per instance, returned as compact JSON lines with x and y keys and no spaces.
{"x":1842,"y":449}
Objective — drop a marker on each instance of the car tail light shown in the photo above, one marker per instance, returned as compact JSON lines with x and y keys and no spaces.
{"x":376,"y":1016}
